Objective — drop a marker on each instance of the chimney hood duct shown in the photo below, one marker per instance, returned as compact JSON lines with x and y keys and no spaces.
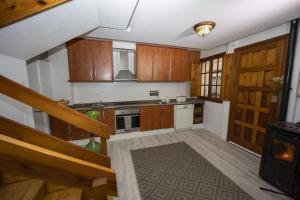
{"x":124,"y":64}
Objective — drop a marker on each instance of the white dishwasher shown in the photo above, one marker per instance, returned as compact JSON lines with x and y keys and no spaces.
{"x":184,"y":116}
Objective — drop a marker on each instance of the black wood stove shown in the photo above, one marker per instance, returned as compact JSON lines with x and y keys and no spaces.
{"x":280,"y":160}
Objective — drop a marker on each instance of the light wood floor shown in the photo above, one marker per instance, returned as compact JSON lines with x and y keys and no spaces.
{"x":239,"y":165}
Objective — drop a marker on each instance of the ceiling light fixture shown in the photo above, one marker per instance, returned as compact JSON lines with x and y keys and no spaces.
{"x":204,"y":28}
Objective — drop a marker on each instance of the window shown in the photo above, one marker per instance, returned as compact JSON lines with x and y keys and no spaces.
{"x":211,"y":77}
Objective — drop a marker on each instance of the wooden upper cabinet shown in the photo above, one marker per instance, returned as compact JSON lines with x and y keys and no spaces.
{"x":90,"y":60}
{"x":180,"y":65}
{"x":102,"y":60}
{"x":80,"y":60}
{"x":194,"y":56}
{"x":161,"y":64}
{"x":144,"y":62}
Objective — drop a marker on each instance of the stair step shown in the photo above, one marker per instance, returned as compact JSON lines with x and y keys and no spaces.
{"x":67,"y":194}
{"x":9,"y":179}
{"x":52,"y":187}
{"x":32,"y":189}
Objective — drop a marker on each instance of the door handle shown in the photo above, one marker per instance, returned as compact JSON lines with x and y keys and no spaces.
{"x":277,"y":79}
{"x":91,"y":74}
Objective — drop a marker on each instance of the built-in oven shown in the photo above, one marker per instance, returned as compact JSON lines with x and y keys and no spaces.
{"x":127,"y":120}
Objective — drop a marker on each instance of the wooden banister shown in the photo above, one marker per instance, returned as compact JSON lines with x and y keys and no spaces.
{"x":36,"y":137}
{"x":26,"y":152}
{"x":27,"y":96}
{"x":13,"y":11}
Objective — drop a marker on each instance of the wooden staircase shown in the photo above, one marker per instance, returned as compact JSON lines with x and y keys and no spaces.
{"x":15,"y":188}
{"x":36,"y":166}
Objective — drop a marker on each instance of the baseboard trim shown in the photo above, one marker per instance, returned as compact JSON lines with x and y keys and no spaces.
{"x":139,"y":134}
{"x":197,"y":126}
{"x":243,"y":148}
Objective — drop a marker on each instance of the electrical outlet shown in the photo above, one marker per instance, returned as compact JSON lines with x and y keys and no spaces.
{"x":154,"y":93}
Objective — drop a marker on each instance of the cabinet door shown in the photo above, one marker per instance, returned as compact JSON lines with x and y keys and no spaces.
{"x":180,"y":65}
{"x":59,"y":128}
{"x":144,"y":55}
{"x":152,"y":117}
{"x":80,"y":60}
{"x":169,"y":116}
{"x":102,"y":60}
{"x":194,"y":56}
{"x":161,"y":64}
{"x":108,"y":117}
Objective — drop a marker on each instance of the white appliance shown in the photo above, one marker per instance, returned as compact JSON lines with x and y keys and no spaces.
{"x":184,"y":116}
{"x":181,"y":98}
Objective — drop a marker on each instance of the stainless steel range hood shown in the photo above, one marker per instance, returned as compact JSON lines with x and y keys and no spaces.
{"x":124,"y":64}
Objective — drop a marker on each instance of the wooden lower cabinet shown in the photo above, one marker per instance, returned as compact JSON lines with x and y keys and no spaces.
{"x":157,"y":117}
{"x":108,"y":117}
{"x":67,"y":131}
{"x":169,"y":116}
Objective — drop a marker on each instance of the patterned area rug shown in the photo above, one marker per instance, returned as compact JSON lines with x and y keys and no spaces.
{"x":177,"y":172}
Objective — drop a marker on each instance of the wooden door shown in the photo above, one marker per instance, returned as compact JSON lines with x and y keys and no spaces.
{"x":152,"y":117}
{"x":161,"y":64}
{"x":257,"y":92}
{"x":169,"y":116}
{"x":102,"y":60}
{"x":195,"y":89}
{"x":180,"y":65}
{"x":80,"y":60}
{"x":108,"y":117}
{"x":144,"y":55}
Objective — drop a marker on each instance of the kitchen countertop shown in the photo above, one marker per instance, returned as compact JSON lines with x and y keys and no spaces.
{"x":133,"y":104}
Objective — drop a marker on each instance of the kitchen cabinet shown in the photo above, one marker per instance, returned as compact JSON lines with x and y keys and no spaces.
{"x":90,"y":60}
{"x":67,"y":131}
{"x":80,"y":60}
{"x":144,"y":55}
{"x":102,"y":60}
{"x":195,"y":80}
{"x":152,"y":117}
{"x":180,"y":65}
{"x":169,"y":116}
{"x":164,"y":64}
{"x":157,"y":117}
{"x":107,"y":116}
{"x":194,"y":56}
{"x":161,"y":64}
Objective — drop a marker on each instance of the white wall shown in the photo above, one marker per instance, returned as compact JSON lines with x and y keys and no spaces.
{"x":215,"y":117}
{"x":113,"y":91}
{"x":126,"y":91}
{"x":293,"y":114}
{"x":264,"y":35}
{"x":59,"y":72}
{"x":39,"y":81}
{"x":16,"y":70}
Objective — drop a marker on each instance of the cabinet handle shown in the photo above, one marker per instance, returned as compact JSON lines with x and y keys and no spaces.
{"x":103,"y":115}
{"x":91,"y":74}
{"x":95,"y":73}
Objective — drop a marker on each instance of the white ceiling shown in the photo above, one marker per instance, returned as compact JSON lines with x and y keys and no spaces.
{"x":170,"y":22}
{"x":40,"y":33}
{"x":167,"y":22}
